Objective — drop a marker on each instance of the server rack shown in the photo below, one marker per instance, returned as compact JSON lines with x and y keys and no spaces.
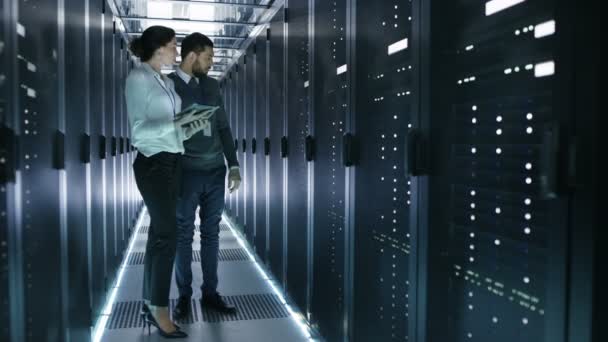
{"x":278,"y":147}
{"x":262,"y":145}
{"x":63,"y":104}
{"x":297,"y":117}
{"x":385,"y":101}
{"x":447,"y":128}
{"x":249,"y":145}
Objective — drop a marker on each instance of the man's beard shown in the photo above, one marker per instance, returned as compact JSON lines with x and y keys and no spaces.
{"x":198,"y":71}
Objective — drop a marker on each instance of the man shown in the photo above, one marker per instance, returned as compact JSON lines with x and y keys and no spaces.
{"x":203,"y":177}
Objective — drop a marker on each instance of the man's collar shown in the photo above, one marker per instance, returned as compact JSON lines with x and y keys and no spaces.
{"x":184,"y":76}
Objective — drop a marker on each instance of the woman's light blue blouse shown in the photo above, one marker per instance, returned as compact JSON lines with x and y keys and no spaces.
{"x":151,"y":105}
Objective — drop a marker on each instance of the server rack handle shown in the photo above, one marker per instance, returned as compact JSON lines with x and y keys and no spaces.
{"x":284,"y":147}
{"x":350,"y":153}
{"x":416,"y":162}
{"x":59,"y":150}
{"x":102,"y":147}
{"x":254,"y":146}
{"x":310,"y":148}
{"x":85,"y":148}
{"x":236,"y":144}
{"x":266,"y":146}
{"x":244,"y":145}
{"x":114,"y":147}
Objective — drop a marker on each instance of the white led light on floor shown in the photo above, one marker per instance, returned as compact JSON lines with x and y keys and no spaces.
{"x":298,"y":318}
{"x":495,"y":6}
{"x":100,"y":327}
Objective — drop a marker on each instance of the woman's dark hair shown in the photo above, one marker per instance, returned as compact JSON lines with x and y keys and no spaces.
{"x":153,"y":38}
{"x":195,"y":42}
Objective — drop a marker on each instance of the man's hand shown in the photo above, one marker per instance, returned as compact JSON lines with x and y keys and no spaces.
{"x":234,"y":180}
{"x":194,"y":127}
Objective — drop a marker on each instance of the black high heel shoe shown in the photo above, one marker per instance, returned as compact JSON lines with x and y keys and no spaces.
{"x":145,"y":310}
{"x":150,"y":320}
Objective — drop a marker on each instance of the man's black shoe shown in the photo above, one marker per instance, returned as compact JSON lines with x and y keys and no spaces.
{"x":216,"y":302}
{"x":182,"y":309}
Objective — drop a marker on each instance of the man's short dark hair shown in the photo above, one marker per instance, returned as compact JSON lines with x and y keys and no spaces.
{"x":195,"y":42}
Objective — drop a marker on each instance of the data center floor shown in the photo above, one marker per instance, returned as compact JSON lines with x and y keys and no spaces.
{"x":262,"y":314}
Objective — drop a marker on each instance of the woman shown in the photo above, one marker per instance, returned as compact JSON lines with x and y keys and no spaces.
{"x":152,"y":104}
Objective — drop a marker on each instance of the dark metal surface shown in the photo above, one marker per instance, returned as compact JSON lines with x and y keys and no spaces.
{"x":79,"y":312}
{"x":261,"y":111}
{"x":497,"y":242}
{"x":242,"y":109}
{"x":275,"y":192}
{"x":383,"y":108}
{"x":250,"y":117}
{"x":331,"y":110}
{"x":297,"y":119}
{"x":41,"y":233}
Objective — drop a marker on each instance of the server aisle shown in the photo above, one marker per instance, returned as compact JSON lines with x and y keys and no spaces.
{"x":263,"y":314}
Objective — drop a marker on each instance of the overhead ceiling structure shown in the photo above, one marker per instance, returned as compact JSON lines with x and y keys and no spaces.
{"x":231,"y":24}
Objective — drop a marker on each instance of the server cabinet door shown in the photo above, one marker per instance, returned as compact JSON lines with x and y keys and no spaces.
{"x":227,"y":95}
{"x":120,"y":162}
{"x":38,"y":110}
{"x":384,"y":103}
{"x":330,"y":109}
{"x":250,"y":170}
{"x":97,"y":271}
{"x":8,"y":155}
{"x":243,"y":111}
{"x":76,"y":121}
{"x":128,"y":153}
{"x":239,"y":89}
{"x":497,"y":229}
{"x":261,"y":159}
{"x":120,"y":229}
{"x":297,"y":69}
{"x":237,"y":135}
{"x":275,"y":195}
{"x":110,"y":199}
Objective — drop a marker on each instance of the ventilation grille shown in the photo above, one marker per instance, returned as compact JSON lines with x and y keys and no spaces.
{"x":236,"y":254}
{"x":223,"y":228}
{"x":126,"y":315}
{"x":249,"y":307}
{"x":136,"y":258}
